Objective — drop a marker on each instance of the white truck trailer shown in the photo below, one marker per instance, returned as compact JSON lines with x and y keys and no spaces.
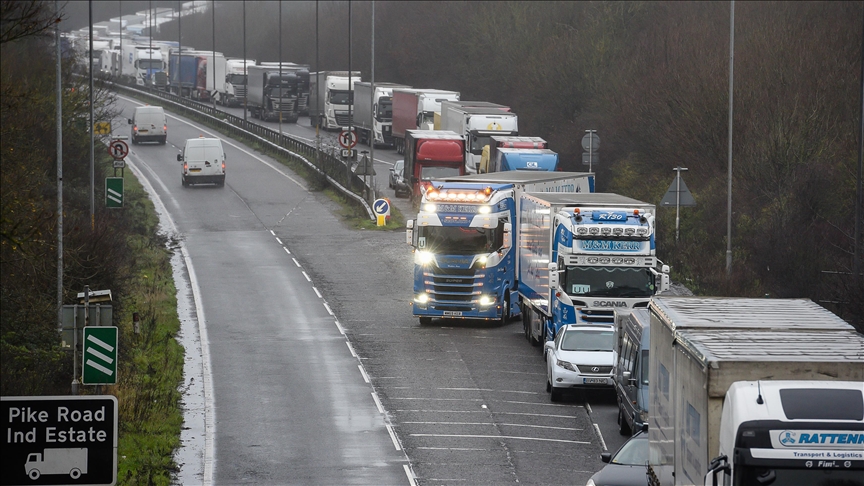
{"x":373,"y":112}
{"x":477,"y":125}
{"x":331,"y":98}
{"x":758,"y":391}
{"x":233,"y":93}
{"x":582,"y":258}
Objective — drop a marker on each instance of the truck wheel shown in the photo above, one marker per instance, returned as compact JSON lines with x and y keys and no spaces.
{"x":623,"y":426}
{"x":75,"y":473}
{"x":505,"y":312}
{"x":34,"y":474}
{"x":425,"y":321}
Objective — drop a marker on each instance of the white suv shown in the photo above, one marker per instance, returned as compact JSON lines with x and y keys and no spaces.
{"x":203,"y":162}
{"x":581,"y":356}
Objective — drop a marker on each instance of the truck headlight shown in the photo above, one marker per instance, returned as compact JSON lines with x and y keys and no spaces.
{"x":484,"y":210}
{"x":486,"y":300}
{"x":421,"y":298}
{"x":430,"y":208}
{"x":425,"y":257}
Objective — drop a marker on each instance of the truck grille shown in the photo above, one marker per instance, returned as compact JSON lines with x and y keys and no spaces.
{"x":240,"y":91}
{"x":595,"y":316}
{"x":453,"y":289}
{"x":342,"y":119}
{"x":302,"y":103}
{"x":284,"y":105}
{"x":387,"y":133}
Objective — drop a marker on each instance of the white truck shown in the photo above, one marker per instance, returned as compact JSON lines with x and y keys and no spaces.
{"x":233,"y":93}
{"x":71,"y":461}
{"x":582,"y":258}
{"x":754,"y":391}
{"x":414,"y":109}
{"x":478,"y":125}
{"x":331,"y":98}
{"x":139,"y":63}
{"x":373,"y":112}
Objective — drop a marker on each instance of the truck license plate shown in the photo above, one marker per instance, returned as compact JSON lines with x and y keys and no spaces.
{"x":452,"y":313}
{"x":601,"y":381}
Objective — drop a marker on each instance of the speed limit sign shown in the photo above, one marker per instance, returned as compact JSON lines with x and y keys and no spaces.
{"x":118,"y":149}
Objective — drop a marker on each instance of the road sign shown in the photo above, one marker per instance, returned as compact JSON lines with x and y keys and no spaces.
{"x":118,"y":149}
{"x":382,"y":207}
{"x":591,"y":142}
{"x":348,"y":139}
{"x":119,"y":164}
{"x":349,"y":153}
{"x":100,"y":355}
{"x":59,"y":440}
{"x":73,"y":319}
{"x":684,"y":200}
{"x":589,"y":158}
{"x":113,"y":192}
{"x":102,"y":128}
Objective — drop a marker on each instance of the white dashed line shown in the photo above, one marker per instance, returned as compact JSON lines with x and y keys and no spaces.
{"x":410,"y":475}
{"x":393,"y":437}
{"x":363,"y":372}
{"x":286,"y":251}
{"x":378,"y":403}
{"x":351,"y":348}
{"x":515,"y":437}
{"x":296,"y":262}
{"x":317,"y":292}
{"x":588,"y":406}
{"x":339,"y":326}
{"x":330,"y":311}
{"x":278,"y":240}
{"x":602,"y":442}
{"x":307,"y":276}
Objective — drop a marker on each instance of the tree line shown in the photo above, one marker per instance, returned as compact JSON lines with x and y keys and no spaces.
{"x":653,"y":79}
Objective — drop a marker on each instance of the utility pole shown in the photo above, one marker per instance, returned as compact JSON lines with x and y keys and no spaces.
{"x":180,"y":46}
{"x":372,"y":110}
{"x":729,"y":184}
{"x":678,"y":199}
{"x":317,"y":84}
{"x":59,"y":171}
{"x":92,"y":141}
{"x":281,"y":94}
{"x":213,"y":67}
{"x":350,"y":100}
{"x":245,"y":98}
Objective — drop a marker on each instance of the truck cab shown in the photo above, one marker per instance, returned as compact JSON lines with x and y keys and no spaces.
{"x":429,"y":155}
{"x":332,"y":95}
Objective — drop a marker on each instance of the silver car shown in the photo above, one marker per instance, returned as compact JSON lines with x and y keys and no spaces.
{"x":581,"y":356}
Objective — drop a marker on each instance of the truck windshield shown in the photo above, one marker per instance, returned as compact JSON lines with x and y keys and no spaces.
{"x":149,"y":64}
{"x":237,"y":79}
{"x":385,"y":110}
{"x":427,"y":173}
{"x":283,"y":92}
{"x":478,"y":142}
{"x":456,"y":240}
{"x":609,"y":282}
{"x":341,"y":97}
{"x":756,"y":476}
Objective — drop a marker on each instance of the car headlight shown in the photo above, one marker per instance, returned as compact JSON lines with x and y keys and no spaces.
{"x":566,"y":365}
{"x":425,"y":257}
{"x":486,"y":300}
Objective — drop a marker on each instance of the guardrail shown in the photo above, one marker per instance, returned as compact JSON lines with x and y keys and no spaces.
{"x":326,"y":164}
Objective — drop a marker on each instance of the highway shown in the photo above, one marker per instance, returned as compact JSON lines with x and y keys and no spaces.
{"x":314,"y":371}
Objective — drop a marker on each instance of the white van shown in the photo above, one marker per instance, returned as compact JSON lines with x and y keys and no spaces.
{"x":203,"y":162}
{"x":149,"y":123}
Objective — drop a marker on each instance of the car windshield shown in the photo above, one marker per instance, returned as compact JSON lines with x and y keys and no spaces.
{"x":634,"y":452}
{"x":609,"y":282}
{"x":585,"y":340}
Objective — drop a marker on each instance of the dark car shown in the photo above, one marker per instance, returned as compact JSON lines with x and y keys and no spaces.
{"x":397,"y":181}
{"x":627,"y":466}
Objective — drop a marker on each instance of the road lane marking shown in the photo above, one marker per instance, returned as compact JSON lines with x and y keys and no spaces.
{"x":493,"y":424}
{"x":363,"y":372}
{"x":514,"y":437}
{"x":329,"y":310}
{"x":600,"y":435}
{"x":278,"y":240}
{"x":393,"y":437}
{"x":339,"y":326}
{"x":306,"y":275}
{"x":317,"y":292}
{"x":378,"y":403}
{"x":410,"y":475}
{"x":351,"y":348}
{"x":286,"y":250}
{"x":296,"y":262}
{"x":485,"y":412}
{"x":588,"y":406}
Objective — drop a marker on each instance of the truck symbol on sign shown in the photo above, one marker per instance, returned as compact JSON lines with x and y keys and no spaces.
{"x":72,"y":461}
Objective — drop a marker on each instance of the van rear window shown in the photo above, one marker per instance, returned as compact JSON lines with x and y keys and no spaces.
{"x":809,"y":404}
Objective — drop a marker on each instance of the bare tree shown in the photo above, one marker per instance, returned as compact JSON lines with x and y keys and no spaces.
{"x":25,"y":18}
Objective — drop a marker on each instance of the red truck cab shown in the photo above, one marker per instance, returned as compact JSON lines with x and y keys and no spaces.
{"x":432,"y":154}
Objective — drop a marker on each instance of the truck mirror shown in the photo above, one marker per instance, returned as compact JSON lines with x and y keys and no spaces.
{"x":625,"y":375}
{"x":664,"y":269}
{"x":179,"y":157}
{"x":553,"y":275}
{"x":130,"y":120}
{"x":409,"y":232}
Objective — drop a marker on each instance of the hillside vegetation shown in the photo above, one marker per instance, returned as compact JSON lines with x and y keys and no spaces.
{"x":653,"y":79}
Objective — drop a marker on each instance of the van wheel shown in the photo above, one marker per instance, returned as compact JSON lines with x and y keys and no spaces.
{"x":184,"y":182}
{"x":162,"y":142}
{"x":623,"y":426}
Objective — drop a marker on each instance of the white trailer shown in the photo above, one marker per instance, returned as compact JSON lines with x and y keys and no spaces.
{"x":705,"y":349}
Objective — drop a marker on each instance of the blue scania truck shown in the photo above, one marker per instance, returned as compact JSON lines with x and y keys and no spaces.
{"x":464,"y":242}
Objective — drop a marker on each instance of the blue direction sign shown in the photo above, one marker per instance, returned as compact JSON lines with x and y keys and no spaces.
{"x":59,"y":440}
{"x":381,"y":207}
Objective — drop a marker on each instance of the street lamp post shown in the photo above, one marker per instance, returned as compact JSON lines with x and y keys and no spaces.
{"x":729,"y":183}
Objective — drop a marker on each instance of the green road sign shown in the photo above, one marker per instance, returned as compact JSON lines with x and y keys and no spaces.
{"x":100,"y":355}
{"x":114,"y":192}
